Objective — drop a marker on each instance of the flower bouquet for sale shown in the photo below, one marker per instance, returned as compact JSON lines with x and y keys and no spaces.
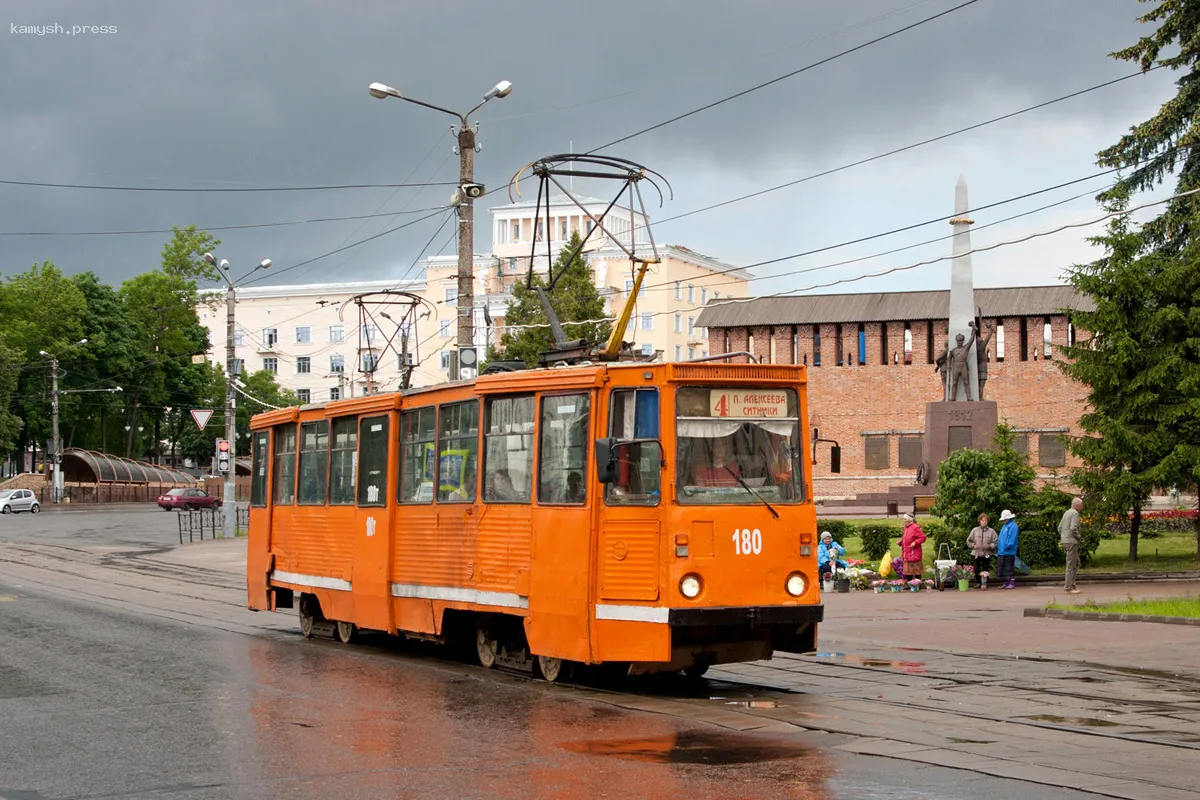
{"x":983,"y":576}
{"x":914,"y":585}
{"x":929,"y":584}
{"x":963,"y":572}
{"x":878,"y":586}
{"x":896,"y":585}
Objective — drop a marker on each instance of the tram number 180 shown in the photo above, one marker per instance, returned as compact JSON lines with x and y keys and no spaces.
{"x":747,"y":541}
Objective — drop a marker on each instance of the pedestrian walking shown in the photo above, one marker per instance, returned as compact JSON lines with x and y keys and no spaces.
{"x":982,"y":544}
{"x":1068,"y":534}
{"x":1006,"y":549}
{"x":910,"y":548}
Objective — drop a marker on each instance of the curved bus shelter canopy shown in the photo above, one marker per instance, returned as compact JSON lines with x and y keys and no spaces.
{"x":89,"y":466}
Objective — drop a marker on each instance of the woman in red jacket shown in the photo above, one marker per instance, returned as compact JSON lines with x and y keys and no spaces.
{"x":910,"y":548}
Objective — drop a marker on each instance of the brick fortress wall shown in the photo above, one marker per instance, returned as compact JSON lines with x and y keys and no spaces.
{"x":874,"y":400}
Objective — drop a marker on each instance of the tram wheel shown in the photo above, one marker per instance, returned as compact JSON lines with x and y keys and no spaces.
{"x":696,"y":670}
{"x":345,"y":632}
{"x":486,"y":647}
{"x":551,"y":669}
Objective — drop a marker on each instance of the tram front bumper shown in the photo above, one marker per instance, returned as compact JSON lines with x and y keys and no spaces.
{"x":752,"y":616}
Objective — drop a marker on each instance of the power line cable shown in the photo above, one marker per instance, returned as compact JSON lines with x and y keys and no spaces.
{"x":785,"y":76}
{"x":223,"y":189}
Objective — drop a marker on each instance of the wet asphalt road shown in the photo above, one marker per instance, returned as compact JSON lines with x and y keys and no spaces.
{"x":112,"y":702}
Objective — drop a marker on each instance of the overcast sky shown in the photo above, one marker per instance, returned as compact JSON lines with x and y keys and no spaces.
{"x":273,"y":93}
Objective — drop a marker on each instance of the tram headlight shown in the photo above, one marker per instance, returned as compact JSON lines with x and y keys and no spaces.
{"x":796,"y":584}
{"x":690,"y":586}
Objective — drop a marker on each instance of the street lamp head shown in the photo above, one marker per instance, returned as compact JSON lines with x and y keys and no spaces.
{"x":224,"y":264}
{"x":501,"y":89}
{"x":118,"y":389}
{"x":43,"y":353}
{"x":83,"y":341}
{"x":210,"y":258}
{"x":266,"y":263}
{"x":382,"y":90}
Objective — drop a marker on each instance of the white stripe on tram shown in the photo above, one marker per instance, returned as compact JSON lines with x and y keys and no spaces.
{"x":459,"y":594}
{"x":633,"y":613}
{"x":316,"y":581}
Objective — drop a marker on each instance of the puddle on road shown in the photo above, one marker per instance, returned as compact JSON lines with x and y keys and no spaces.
{"x":1089,"y":722}
{"x":911,"y":667}
{"x":753,"y":703}
{"x":693,"y":747}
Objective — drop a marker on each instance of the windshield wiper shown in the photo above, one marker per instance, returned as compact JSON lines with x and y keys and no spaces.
{"x":746,"y":486}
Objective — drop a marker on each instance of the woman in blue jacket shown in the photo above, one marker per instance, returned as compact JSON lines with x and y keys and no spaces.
{"x":828,"y":552}
{"x":1006,"y":550}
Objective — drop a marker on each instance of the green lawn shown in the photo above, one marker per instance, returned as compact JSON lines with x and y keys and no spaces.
{"x":1162,"y":607}
{"x":1171,"y":552}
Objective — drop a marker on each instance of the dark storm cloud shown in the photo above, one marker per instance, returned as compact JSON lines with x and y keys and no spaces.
{"x":274,"y":93}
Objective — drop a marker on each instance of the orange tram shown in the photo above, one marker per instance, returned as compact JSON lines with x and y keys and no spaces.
{"x":652,"y":517}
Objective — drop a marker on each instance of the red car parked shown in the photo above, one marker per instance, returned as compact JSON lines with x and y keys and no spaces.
{"x":187,"y":499}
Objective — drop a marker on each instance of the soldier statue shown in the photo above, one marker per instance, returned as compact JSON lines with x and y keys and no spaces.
{"x":957,"y":366}
{"x":981,"y":354}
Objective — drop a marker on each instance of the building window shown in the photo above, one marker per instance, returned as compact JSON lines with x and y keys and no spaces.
{"x":678,"y":352}
{"x":516,"y":230}
{"x":862,"y":345}
{"x":303,"y":365}
{"x":373,"y":461}
{"x":910,"y":452}
{"x":370,"y":332}
{"x":1050,"y":450}
{"x":314,"y":459}
{"x":704,"y":354}
{"x":876,"y":452}
{"x":1021,"y":444}
{"x":444,"y":329}
{"x":628,"y":285}
{"x":270,"y":337}
{"x":458,"y":452}
{"x":1024,"y":339}
{"x":726,"y":348}
{"x":691,"y":293}
{"x":508,"y":453}
{"x":647,"y":322}
{"x":1047,"y":340}
{"x":337,"y":333}
{"x":285,"y":465}
{"x":563,"y":448}
{"x":451,"y":294}
{"x":691,"y":353}
{"x":703,"y":296}
{"x":678,"y":290}
{"x":343,"y":462}
{"x":816,"y":345}
{"x":337,"y":363}
{"x":239,"y":338}
{"x":930,"y":356}
{"x":369,"y":362}
{"x":679,"y":323}
{"x":417,"y":463}
{"x":691,"y":326}
{"x":839,"y":356}
{"x":303,"y":334}
{"x":908,"y":343}
{"x":271,"y":365}
{"x":563,"y":229}
{"x":795,"y":345}
{"x":647,"y":349}
{"x":335,"y":393}
{"x":444,"y":359}
{"x":1000,"y":342}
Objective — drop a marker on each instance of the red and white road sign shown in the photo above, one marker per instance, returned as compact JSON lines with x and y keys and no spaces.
{"x":201,"y":416}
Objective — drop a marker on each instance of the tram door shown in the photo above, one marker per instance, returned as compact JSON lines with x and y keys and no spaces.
{"x":561,"y":552}
{"x":372,"y":556}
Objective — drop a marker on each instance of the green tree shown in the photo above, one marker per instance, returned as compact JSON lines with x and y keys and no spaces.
{"x":1165,"y":145}
{"x":10,"y":423}
{"x":574,"y":298}
{"x":1120,"y":361}
{"x":970,"y":482}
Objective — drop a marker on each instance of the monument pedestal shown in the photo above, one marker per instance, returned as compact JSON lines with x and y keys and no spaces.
{"x":951,"y":426}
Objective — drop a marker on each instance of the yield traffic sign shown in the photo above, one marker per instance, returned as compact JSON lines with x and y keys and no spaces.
{"x":201,"y":416}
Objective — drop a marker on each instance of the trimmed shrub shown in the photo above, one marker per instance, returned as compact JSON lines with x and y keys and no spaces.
{"x":957,"y":541}
{"x":877,"y":539}
{"x":840,"y":528}
{"x":1041,"y":549}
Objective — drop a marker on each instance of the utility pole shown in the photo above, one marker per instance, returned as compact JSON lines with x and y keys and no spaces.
{"x":468,"y":191}
{"x":229,"y":495}
{"x":56,"y":488}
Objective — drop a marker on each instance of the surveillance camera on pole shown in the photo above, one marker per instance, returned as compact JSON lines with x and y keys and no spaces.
{"x":473,"y":190}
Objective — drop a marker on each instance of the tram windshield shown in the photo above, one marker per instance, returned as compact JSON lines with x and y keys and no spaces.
{"x":738,"y":445}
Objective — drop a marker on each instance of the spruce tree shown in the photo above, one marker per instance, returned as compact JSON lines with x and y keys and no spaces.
{"x":574,"y":298}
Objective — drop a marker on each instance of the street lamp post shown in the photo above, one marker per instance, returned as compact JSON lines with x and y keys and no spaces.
{"x":56,"y":489}
{"x":464,"y":199}
{"x":229,"y":496}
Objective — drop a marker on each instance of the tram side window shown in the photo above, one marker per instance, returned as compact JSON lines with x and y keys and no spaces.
{"x":258,"y":483}
{"x":372,"y":461}
{"x":285,"y":465}
{"x":634,"y":414}
{"x":458,"y":452}
{"x":562,"y":465}
{"x":314,"y":460}
{"x":343,"y":462}
{"x":416,"y":456}
{"x":508,"y":453}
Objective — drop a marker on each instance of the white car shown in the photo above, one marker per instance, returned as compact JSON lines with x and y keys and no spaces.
{"x":13,"y":500}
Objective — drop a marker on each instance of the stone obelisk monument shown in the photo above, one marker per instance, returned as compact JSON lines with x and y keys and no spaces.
{"x":960,"y":419}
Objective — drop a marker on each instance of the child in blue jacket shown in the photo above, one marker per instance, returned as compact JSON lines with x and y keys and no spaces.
{"x":1006,"y":549}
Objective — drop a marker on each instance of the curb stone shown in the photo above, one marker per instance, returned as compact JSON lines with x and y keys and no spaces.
{"x":1096,"y":616}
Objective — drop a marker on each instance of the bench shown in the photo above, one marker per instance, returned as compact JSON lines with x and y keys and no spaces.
{"x":922,"y":503}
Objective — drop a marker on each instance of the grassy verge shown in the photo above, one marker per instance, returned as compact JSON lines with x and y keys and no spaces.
{"x":1160,"y":607}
